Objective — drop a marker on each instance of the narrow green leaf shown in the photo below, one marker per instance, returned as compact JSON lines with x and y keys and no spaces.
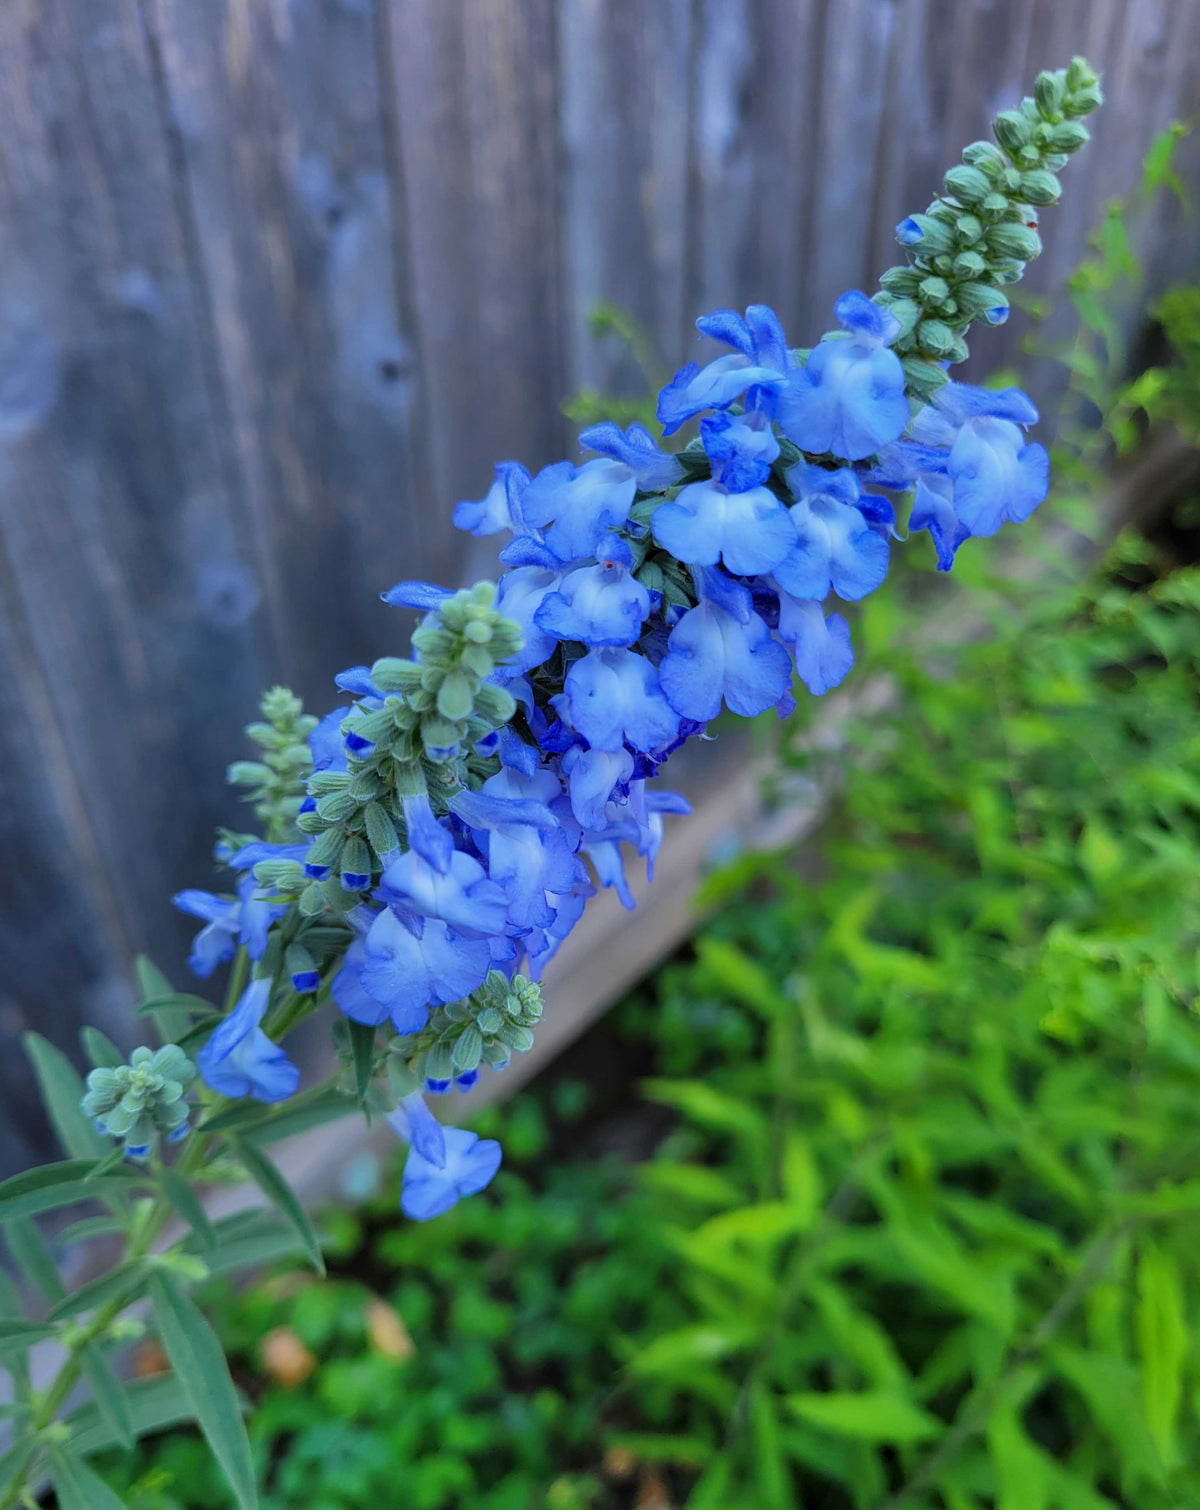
{"x":154,"y":985}
{"x":174,"y":1001}
{"x":1163,"y":1343}
{"x":109,"y":1394}
{"x":151,"y":1404}
{"x":100,"y":1049}
{"x":126,"y":1280}
{"x":771,"y":1472}
{"x":362,"y":1041}
{"x":77,"y":1486}
{"x":102,"y":1167}
{"x":872,"y":1415}
{"x":16,"y":1336}
{"x":266,"y":1124}
{"x":280,"y":1194}
{"x":741,"y":977}
{"x":187,"y":1203}
{"x":89,"y":1227}
{"x":53,"y":1185}
{"x":245,"y":1241}
{"x":28,"y":1247}
{"x":199,"y":1363}
{"x":62,"y":1091}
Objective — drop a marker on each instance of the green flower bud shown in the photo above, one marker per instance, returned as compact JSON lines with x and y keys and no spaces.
{"x":1012,"y":130}
{"x":1040,"y":187}
{"x":1012,"y":239}
{"x":337,"y":807}
{"x":468,"y":1051}
{"x":455,"y":697}
{"x":381,"y":831}
{"x":935,"y":338}
{"x":137,"y":1101}
{"x":967,"y":185}
{"x":1067,"y":137}
{"x":391,"y":674}
{"x":1049,"y":91}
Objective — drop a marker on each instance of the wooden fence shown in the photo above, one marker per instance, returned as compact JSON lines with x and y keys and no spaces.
{"x":279,"y":279}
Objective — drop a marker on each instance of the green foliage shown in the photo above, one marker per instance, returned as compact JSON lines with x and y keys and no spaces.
{"x":924,"y":1229}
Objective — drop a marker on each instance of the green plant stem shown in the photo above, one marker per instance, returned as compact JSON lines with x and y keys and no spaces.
{"x":237,"y":979}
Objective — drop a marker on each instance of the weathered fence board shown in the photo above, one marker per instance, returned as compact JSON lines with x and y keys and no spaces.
{"x":280,"y":279}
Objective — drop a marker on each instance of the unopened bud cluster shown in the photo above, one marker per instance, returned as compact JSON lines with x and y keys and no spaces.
{"x":137,"y":1101}
{"x":421,"y":732}
{"x":489,"y":1027}
{"x":273,"y":781}
{"x":981,"y":232}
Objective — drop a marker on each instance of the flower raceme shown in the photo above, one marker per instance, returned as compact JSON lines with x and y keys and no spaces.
{"x":462,"y":805}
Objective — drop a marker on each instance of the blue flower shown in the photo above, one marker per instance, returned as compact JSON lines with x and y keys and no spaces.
{"x":694,"y":389}
{"x":459,"y":892}
{"x":327,"y":744}
{"x":228,"y":922}
{"x":722,"y":649}
{"x":576,"y":506}
{"x":835,"y":545}
{"x":614,"y":699}
{"x":424,"y":596}
{"x":820,"y":645}
{"x":520,"y":594}
{"x":741,"y":449}
{"x":240,"y":1060}
{"x":599,"y":605}
{"x":971,"y":466}
{"x":653,"y":468}
{"x":592,"y":778}
{"x":706,"y":523}
{"x":527,"y":851}
{"x":500,"y":508}
{"x":441,"y":1167}
{"x":411,"y":962}
{"x":759,"y":336}
{"x":849,"y":397}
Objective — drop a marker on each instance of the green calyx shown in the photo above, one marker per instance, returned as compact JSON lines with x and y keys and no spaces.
{"x":489,"y":1027}
{"x":423,"y":740}
{"x":136,"y":1101}
{"x":978,"y":235}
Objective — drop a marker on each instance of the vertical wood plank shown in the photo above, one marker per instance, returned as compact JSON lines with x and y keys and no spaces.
{"x":285,"y":179}
{"x":130,"y":590}
{"x":476,"y":114}
{"x":624,"y":114}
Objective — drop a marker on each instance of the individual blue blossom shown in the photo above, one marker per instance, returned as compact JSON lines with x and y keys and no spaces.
{"x":636,"y":448}
{"x":602,"y":604}
{"x":426,"y":597}
{"x":821,"y":646}
{"x":968,"y":460}
{"x":410,"y":963}
{"x":240,"y":1060}
{"x":444,"y":1164}
{"x":327,"y":742}
{"x":500,"y":508}
{"x":848,"y":399}
{"x":615,"y":699}
{"x":835,"y":545}
{"x":592,"y":778}
{"x":759,"y":337}
{"x":527,"y":850}
{"x":723,"y":650}
{"x":228,"y":922}
{"x":443,"y":882}
{"x":576,"y":506}
{"x":705,"y":523}
{"x":694,"y":389}
{"x":521,"y":593}
{"x":740,"y":447}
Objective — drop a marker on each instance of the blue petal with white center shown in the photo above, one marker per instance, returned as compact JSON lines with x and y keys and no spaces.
{"x":835,"y":546}
{"x":821,"y":646}
{"x":576,"y":506}
{"x":599,"y":605}
{"x":722,"y":650}
{"x":653,"y":468}
{"x":615,"y":699}
{"x":411,"y":963}
{"x":240,"y":1060}
{"x":431,"y":1186}
{"x":848,"y":399}
{"x":521,"y":593}
{"x":461,"y":895}
{"x":694,"y":389}
{"x":500,"y":507}
{"x":705,"y":523}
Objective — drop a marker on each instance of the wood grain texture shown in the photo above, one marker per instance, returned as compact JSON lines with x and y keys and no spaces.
{"x":281,"y":279}
{"x":130,"y":591}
